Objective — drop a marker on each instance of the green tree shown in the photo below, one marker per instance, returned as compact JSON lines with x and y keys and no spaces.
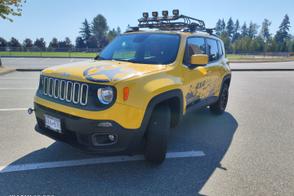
{"x":227,"y":42}
{"x":53,"y":44}
{"x":80,"y":43}
{"x":3,"y":44}
{"x":85,"y":30}
{"x":252,"y":30}
{"x":99,"y":30}
{"x":113,"y":33}
{"x":218,"y":27}
{"x":118,"y":30}
{"x":14,"y":43}
{"x":92,"y":42}
{"x":230,"y":28}
{"x":10,"y":8}
{"x":27,"y":43}
{"x":282,"y":34}
{"x":40,"y":44}
{"x":68,"y":43}
{"x":244,"y":30}
{"x":236,"y":33}
{"x":265,"y":32}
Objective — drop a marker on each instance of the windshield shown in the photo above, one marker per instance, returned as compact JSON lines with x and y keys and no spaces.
{"x":143,"y":48}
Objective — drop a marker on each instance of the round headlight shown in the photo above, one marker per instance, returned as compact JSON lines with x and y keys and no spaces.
{"x":105,"y":95}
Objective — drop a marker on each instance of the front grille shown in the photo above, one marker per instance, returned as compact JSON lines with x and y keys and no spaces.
{"x":64,"y":90}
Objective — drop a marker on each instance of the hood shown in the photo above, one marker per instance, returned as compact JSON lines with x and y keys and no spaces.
{"x":101,"y":71}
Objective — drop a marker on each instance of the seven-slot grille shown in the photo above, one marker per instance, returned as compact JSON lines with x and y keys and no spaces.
{"x":64,"y":90}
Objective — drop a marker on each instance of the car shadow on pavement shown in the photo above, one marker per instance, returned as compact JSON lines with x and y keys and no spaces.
{"x":199,"y":131}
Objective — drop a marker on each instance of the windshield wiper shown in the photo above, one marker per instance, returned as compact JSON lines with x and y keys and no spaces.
{"x":126,"y":60}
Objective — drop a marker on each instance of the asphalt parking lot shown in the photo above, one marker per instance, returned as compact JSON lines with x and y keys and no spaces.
{"x":248,"y":150}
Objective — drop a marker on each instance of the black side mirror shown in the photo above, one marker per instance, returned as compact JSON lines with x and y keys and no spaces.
{"x":97,"y":57}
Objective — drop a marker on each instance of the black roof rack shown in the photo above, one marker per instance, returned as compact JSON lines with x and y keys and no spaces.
{"x":176,"y":22}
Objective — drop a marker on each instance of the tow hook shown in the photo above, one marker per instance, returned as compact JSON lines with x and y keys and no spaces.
{"x":30,"y":111}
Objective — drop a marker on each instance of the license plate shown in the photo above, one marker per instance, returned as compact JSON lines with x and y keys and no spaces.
{"x":53,"y":123}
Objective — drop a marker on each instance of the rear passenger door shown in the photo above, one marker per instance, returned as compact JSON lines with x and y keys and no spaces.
{"x":214,"y":52}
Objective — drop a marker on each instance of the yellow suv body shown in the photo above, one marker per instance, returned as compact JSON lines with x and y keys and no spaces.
{"x":110,"y":104}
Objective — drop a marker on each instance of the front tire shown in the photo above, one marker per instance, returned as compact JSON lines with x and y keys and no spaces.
{"x":220,"y":106}
{"x":157,"y":134}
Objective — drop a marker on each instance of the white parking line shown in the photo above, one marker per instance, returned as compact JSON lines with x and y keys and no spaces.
{"x":13,"y":109}
{"x":73,"y":163}
{"x":18,"y":89}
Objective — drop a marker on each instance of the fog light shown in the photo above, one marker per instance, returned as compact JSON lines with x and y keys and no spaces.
{"x":99,"y":139}
{"x":111,"y":138}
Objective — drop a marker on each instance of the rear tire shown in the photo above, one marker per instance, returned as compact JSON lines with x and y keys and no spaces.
{"x":220,"y":106}
{"x":157,"y":134}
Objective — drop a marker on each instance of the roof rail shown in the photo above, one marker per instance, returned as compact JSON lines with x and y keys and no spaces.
{"x":176,"y":22}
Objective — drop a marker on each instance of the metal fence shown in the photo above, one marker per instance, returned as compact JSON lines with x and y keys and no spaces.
{"x":35,"y":51}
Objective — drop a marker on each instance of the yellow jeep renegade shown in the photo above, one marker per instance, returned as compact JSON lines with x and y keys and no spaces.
{"x":136,"y":89}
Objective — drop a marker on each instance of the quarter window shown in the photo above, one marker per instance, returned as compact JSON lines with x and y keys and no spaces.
{"x":195,"y":45}
{"x":220,"y":48}
{"x":213,"y":52}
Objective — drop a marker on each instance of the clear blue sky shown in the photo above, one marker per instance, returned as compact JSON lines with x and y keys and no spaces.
{"x":61,"y":18}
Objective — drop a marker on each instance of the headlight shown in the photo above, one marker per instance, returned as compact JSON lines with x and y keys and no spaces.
{"x":105,"y":95}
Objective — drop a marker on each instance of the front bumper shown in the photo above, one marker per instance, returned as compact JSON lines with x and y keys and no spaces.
{"x":82,"y":133}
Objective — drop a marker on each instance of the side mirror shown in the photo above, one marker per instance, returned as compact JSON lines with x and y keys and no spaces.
{"x":199,"y":59}
{"x":97,"y":57}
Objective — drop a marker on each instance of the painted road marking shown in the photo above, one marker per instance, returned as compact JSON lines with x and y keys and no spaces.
{"x":18,"y":89}
{"x":73,"y":163}
{"x":13,"y":109}
{"x":4,"y":78}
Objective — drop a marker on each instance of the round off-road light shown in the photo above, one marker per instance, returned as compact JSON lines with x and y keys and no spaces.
{"x":105,"y":95}
{"x":145,"y":15}
{"x":165,"y":13}
{"x":176,"y":12}
{"x":155,"y":14}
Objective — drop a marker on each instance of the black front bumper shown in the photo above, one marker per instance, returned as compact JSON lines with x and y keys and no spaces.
{"x":79,"y":132}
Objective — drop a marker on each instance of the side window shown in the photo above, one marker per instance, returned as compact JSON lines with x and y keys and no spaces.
{"x":220,"y":48}
{"x":213,"y":53}
{"x":195,"y":45}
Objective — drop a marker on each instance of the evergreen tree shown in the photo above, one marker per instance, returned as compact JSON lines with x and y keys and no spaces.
{"x":282,"y":34}
{"x":236,"y":33}
{"x":68,"y":44}
{"x":99,"y":30}
{"x":218,"y":27}
{"x":27,"y":43}
{"x":3,"y":44}
{"x":118,"y":31}
{"x":252,"y":30}
{"x":223,"y":26}
{"x":265,"y":33}
{"x":230,"y":28}
{"x":80,"y":43}
{"x":85,"y":31}
{"x":244,"y":30}
{"x":54,"y":43}
{"x":14,"y":43}
{"x":40,"y":44}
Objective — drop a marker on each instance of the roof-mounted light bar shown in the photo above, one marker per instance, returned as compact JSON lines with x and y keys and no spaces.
{"x":175,"y":22}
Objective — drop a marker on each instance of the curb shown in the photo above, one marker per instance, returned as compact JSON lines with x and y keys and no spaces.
{"x":28,"y":70}
{"x":281,"y":61}
{"x":5,"y":71}
{"x":262,"y":69}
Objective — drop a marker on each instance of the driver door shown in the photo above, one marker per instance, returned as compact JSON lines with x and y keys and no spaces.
{"x":196,"y":79}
